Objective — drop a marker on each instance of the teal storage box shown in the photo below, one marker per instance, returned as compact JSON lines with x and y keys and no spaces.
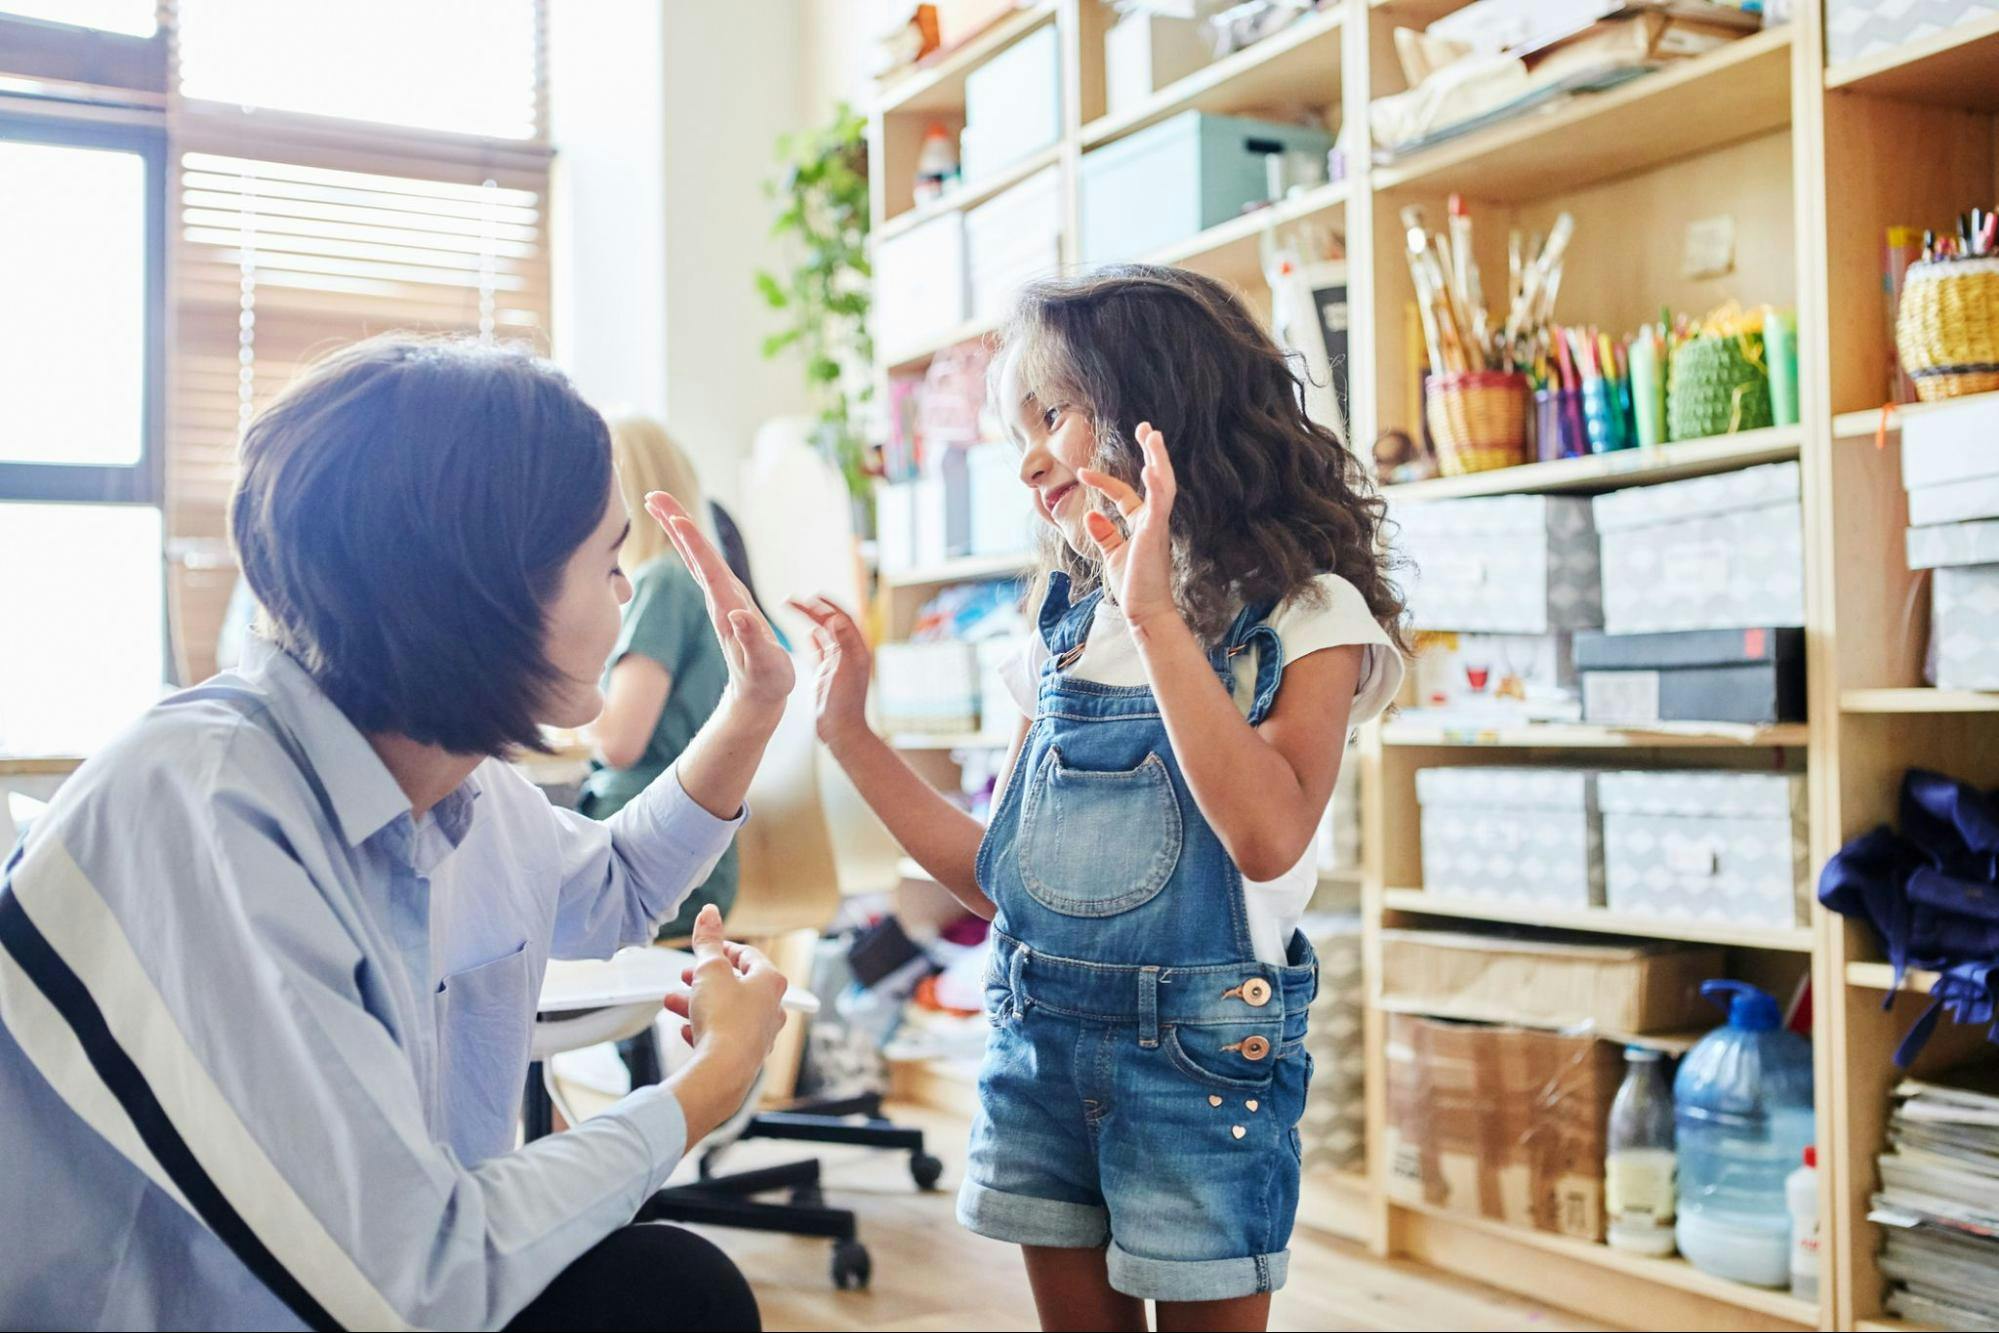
{"x":1181,"y":176}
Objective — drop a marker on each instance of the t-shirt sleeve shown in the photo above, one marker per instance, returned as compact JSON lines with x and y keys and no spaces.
{"x":666,"y":615}
{"x":1337,"y":618}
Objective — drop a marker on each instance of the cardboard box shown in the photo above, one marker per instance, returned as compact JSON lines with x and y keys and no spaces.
{"x":1733,"y":675}
{"x":1721,"y":552}
{"x":1500,"y":1122}
{"x":1513,"y":564}
{"x":1531,"y":978}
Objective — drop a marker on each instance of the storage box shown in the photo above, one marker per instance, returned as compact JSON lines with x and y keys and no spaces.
{"x":1514,"y":834}
{"x":1528,"y":977}
{"x":1496,"y":679}
{"x":1333,"y":1130}
{"x":998,"y":712}
{"x":920,"y":289}
{"x":895,"y":526}
{"x":1949,"y":443}
{"x":1500,"y":1122}
{"x":1722,"y":675}
{"x":1001,"y":513}
{"x":1722,"y":552}
{"x":1012,"y":239}
{"x":1338,"y":839}
{"x":1964,"y":626}
{"x":927,"y":687}
{"x":1143,"y":52}
{"x":1164,"y":184}
{"x":1514,"y":564}
{"x":1013,"y":105}
{"x":1955,"y":502}
{"x":1705,"y":846}
{"x":1954,"y":544}
{"x":1855,"y":28}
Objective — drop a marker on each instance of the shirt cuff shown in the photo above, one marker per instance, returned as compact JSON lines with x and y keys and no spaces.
{"x":670,"y":809}
{"x":655,"y":1113}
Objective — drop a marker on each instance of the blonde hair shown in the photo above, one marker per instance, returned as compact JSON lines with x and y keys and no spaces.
{"x":648,"y":460}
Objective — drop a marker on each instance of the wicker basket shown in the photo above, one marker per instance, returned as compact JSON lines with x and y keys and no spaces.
{"x":1479,"y":420}
{"x":1947,"y":328}
{"x":1715,"y":385}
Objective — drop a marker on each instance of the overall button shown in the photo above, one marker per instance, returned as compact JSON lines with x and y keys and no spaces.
{"x":1255,"y":1048}
{"x":1256,"y":992}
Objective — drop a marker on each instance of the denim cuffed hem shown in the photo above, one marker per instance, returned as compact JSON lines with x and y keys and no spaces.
{"x":1196,"y":1279}
{"x":1021,"y":1219}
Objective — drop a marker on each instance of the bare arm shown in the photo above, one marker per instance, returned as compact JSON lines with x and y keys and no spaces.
{"x":943,"y":839}
{"x":632,"y":705}
{"x":1263,"y":789}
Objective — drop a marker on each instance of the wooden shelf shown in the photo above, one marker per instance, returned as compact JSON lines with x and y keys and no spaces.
{"x":939,"y":87}
{"x":39,"y":766}
{"x":1607,"y":472}
{"x":1919,"y":699}
{"x":970,"y":195}
{"x":1339,"y":1202}
{"x":1865,"y":424}
{"x":967,"y":569}
{"x":1299,"y":66}
{"x":907,"y":359}
{"x":1675,"y":1273}
{"x":1413,"y":731}
{"x":1881,"y":976}
{"x":1231,"y":250}
{"x":1697,"y":104}
{"x":1596,"y":920}
{"x":1958,"y":67}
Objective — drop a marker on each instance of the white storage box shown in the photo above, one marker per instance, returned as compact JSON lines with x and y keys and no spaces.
{"x":1521,"y":835}
{"x":1515,"y":564}
{"x":1143,"y":52}
{"x":895,"y":526}
{"x":1964,"y":626}
{"x":1722,"y":552}
{"x":1956,"y":502}
{"x":927,"y":687}
{"x":1855,"y":28}
{"x":1332,"y":1132}
{"x":920,"y":292}
{"x":1012,"y":239}
{"x":1705,"y":846}
{"x":1949,"y":443}
{"x":1002,"y":516}
{"x":999,"y":714}
{"x":1013,"y":105}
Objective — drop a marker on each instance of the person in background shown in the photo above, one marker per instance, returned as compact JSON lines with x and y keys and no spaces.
{"x":666,"y":673}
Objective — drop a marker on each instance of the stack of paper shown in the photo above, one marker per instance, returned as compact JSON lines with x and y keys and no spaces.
{"x":1938,"y":1203}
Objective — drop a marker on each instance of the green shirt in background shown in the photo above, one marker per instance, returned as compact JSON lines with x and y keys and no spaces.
{"x":667,"y":621}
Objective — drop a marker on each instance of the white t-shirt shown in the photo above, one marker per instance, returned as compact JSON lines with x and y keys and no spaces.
{"x":1336,"y":618}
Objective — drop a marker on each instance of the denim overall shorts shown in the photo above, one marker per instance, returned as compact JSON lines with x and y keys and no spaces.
{"x":1145,"y":1073}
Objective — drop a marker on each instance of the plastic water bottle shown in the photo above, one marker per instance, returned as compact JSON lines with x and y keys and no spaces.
{"x":1638,"y":1158}
{"x":1801,"y":1196}
{"x":1743,"y":1105}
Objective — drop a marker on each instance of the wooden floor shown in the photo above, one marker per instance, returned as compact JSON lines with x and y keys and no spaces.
{"x":930,"y":1273}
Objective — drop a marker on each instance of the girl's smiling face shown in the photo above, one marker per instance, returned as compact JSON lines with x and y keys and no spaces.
{"x":1055,"y":440}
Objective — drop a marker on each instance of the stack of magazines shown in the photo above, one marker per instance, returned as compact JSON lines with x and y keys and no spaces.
{"x":1938,"y":1205}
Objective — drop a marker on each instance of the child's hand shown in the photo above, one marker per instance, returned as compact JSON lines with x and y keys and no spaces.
{"x":760,"y":671}
{"x":844,"y":667}
{"x":1138,"y":569}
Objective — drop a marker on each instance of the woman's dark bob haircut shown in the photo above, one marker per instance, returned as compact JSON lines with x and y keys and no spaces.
{"x":404,"y":514}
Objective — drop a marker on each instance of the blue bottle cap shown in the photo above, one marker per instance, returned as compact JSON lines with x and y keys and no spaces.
{"x":1749,"y":1008}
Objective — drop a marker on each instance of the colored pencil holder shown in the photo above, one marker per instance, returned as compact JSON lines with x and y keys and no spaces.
{"x":1478,"y":419}
{"x":1717,"y":385}
{"x":1947,"y":327}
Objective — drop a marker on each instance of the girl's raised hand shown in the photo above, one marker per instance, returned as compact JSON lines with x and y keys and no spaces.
{"x":1138,"y":568}
{"x":760,"y":671}
{"x":845,"y":665}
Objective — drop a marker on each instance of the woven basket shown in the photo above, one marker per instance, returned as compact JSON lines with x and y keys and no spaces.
{"x":1479,"y":420}
{"x":1716,"y":385}
{"x":1947,"y":328}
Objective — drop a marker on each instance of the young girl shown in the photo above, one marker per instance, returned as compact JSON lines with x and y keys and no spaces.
{"x":1215,"y":619}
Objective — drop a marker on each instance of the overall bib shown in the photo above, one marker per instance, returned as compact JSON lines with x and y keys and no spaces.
{"x":1145,"y":1073}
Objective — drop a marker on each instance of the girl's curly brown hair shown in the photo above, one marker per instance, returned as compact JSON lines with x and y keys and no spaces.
{"x":1268,"y":498}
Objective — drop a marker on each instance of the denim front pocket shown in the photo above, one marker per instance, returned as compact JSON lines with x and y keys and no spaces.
{"x":1202,"y":1054}
{"x":1096,"y":844}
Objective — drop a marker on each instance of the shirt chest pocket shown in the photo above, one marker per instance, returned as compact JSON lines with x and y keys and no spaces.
{"x":484,"y":1014}
{"x":1095,"y":844}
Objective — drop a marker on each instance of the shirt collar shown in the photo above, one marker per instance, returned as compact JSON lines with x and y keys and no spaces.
{"x":365,"y":795}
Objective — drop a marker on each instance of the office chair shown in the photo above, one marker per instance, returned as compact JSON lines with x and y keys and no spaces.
{"x":790,"y":888}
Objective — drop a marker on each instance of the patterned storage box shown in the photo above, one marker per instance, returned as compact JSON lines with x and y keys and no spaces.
{"x":1515,"y":564}
{"x":1705,"y":846}
{"x":1723,"y":552}
{"x":1333,"y":1131}
{"x":1964,"y":626}
{"x":1530,"y":835}
{"x":1855,"y":28}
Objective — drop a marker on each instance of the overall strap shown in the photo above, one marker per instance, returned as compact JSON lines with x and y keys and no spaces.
{"x":1252,"y":630}
{"x":1065,"y":626}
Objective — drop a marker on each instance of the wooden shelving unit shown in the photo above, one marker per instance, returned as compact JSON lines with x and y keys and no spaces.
{"x":1812,"y":164}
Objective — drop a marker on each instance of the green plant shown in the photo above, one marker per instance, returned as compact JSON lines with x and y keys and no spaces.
{"x":822,"y":198}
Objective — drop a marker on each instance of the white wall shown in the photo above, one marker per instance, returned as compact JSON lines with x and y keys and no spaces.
{"x":665,"y":113}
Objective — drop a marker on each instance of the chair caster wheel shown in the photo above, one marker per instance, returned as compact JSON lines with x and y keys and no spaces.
{"x":925,"y":1170}
{"x":852,"y":1268}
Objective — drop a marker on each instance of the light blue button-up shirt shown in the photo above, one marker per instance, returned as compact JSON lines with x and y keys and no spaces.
{"x":264,"y":1034}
